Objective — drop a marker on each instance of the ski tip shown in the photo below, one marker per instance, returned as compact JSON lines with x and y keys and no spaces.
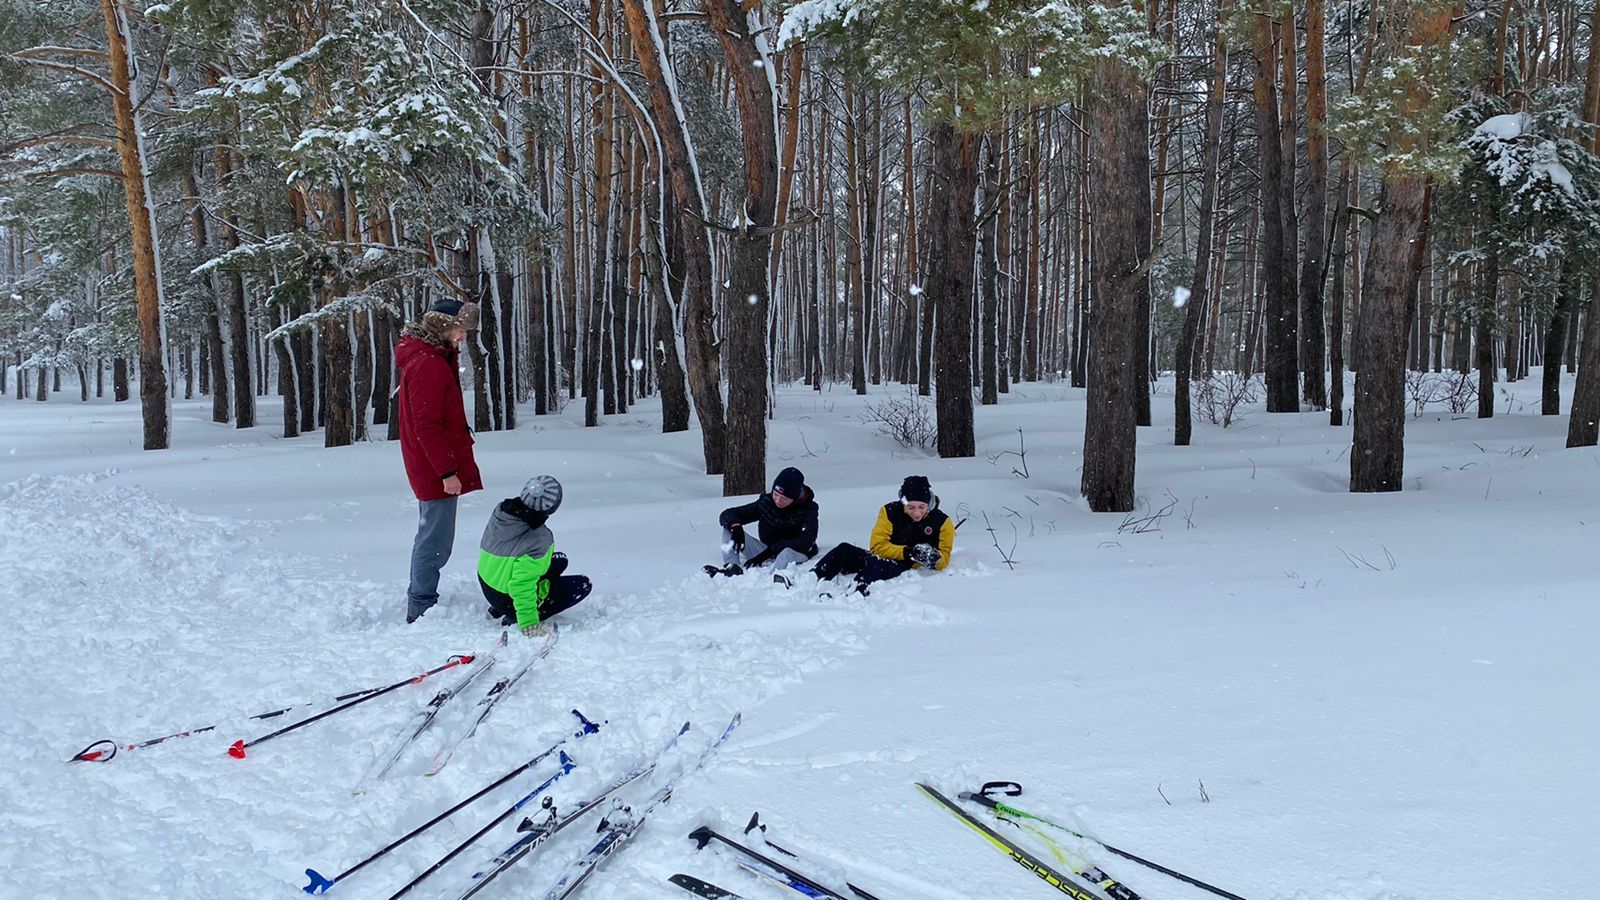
{"x":236,"y":749}
{"x":685,"y":729}
{"x":319,"y":882}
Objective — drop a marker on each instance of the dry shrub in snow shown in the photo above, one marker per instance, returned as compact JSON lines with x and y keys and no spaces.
{"x":1219,"y":396}
{"x":908,"y":418}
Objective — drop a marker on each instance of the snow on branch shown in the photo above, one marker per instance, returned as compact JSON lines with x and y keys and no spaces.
{"x":335,"y":309}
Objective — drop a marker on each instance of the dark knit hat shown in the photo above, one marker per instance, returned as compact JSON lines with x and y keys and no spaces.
{"x":450,"y":313}
{"x":916,"y":489}
{"x":542,"y":494}
{"x":790,"y":482}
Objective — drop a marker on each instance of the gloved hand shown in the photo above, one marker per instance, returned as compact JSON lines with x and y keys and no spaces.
{"x":536,"y":629}
{"x":736,"y":533}
{"x":558,"y":564}
{"x":925,"y":555}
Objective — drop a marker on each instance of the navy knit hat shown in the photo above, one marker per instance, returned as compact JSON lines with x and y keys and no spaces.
{"x":916,"y":489}
{"x":790,"y":482}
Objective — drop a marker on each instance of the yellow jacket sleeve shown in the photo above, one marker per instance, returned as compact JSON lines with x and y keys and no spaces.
{"x":947,"y":543}
{"x":879,"y":544}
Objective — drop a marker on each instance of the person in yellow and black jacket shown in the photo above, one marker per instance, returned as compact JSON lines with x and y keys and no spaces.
{"x":518,"y":567}
{"x":911,"y":533}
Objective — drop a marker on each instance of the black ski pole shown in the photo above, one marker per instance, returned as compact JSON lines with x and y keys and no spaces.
{"x":705,"y":835}
{"x":320,"y":884}
{"x":237,"y":748}
{"x":757,"y":825}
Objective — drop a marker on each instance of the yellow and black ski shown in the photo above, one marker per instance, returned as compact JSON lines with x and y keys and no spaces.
{"x":1007,"y":813}
{"x":1046,"y":873}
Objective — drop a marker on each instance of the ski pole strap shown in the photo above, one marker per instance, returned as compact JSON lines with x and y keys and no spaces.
{"x":1004,"y":788}
{"x":99,"y":751}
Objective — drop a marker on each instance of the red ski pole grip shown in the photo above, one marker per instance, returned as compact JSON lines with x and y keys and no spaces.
{"x":236,"y":749}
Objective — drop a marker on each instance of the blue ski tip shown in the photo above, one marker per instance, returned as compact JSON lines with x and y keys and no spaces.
{"x":588,"y":726}
{"x":318,"y":885}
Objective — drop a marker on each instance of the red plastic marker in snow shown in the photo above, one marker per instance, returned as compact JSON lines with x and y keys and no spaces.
{"x":237,"y":748}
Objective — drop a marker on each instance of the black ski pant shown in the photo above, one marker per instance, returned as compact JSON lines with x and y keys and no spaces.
{"x":848,"y":559}
{"x":566,"y":591}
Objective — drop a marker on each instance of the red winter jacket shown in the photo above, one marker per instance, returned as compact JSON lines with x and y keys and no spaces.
{"x":434,"y":439}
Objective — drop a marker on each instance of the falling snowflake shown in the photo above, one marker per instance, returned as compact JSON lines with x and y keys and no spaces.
{"x":916,"y":290}
{"x":1180,"y":296}
{"x":752,"y":299}
{"x":637,"y":364}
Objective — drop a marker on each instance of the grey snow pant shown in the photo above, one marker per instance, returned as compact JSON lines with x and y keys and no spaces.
{"x":436,"y":537}
{"x":753,"y":547}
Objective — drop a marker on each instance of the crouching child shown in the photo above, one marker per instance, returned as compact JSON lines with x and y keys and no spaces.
{"x":522,"y":575}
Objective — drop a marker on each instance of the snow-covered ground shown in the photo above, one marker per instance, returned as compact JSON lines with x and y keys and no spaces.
{"x":1384,"y":697}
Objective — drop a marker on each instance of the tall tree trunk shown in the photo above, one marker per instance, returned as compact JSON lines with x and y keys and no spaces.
{"x":1377,"y":457}
{"x":216,"y":363}
{"x":126,"y":103}
{"x":1212,"y":144}
{"x":1288,"y":134}
{"x":872,"y":169}
{"x":750,"y":66}
{"x":1314,"y":267}
{"x":605,"y":221}
{"x":989,"y":288}
{"x":382,"y":365}
{"x":1081,"y":317}
{"x":1281,"y":364}
{"x":1487,"y":306}
{"x":1030,"y":283}
{"x":952,"y":235}
{"x":855,"y":280}
{"x":701,"y":351}
{"x":244,"y":399}
{"x":361,"y":362}
{"x":337,"y":403}
{"x":1119,"y":127}
{"x":288,"y":372}
{"x":669,"y":364}
{"x":1583,"y":428}
{"x":1342,"y":238}
{"x":1513,"y":355}
{"x":1555,"y":335}
{"x":907,"y":353}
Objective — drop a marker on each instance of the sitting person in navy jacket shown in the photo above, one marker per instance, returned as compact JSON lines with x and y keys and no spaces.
{"x":786,"y":533}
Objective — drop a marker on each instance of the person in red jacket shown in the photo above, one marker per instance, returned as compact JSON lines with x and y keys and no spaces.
{"x":435,"y":442}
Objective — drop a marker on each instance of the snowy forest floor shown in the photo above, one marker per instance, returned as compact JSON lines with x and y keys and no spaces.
{"x":1383,"y":696}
